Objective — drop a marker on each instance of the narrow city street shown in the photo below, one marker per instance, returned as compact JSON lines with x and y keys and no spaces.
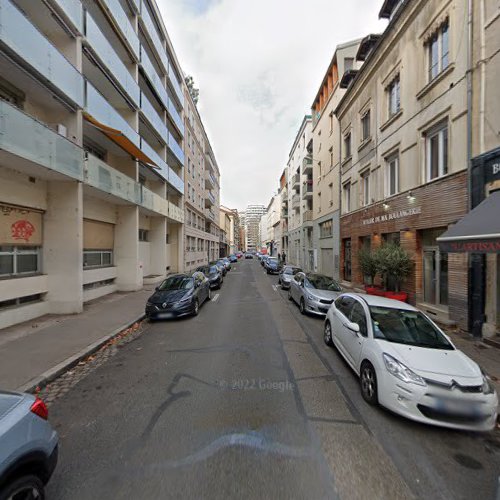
{"x":246,"y":401}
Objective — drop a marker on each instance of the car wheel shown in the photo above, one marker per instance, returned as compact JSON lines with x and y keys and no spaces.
{"x":327,"y":337}
{"x":302,"y":306}
{"x":196,"y":308}
{"x":24,"y":487}
{"x":368,"y":382}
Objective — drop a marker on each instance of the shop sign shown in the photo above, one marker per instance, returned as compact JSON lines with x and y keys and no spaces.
{"x":470,"y":246}
{"x":398,"y":214}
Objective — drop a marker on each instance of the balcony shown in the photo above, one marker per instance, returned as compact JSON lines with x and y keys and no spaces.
{"x":284,"y":194}
{"x":211,"y":215}
{"x":107,"y":55}
{"x":176,"y":149}
{"x":209,"y":198}
{"x":122,"y":23}
{"x":307,"y":165}
{"x":296,"y":181}
{"x":162,"y":169}
{"x":154,"y":37}
{"x":27,"y":138}
{"x":72,"y":10}
{"x":308,"y":216}
{"x":176,"y":117}
{"x":175,"y":213}
{"x":175,"y":181}
{"x":210,"y":182}
{"x":284,"y":213}
{"x":175,"y":85}
{"x":307,"y":190}
{"x":35,"y":53}
{"x":154,"y":119}
{"x":296,"y":201}
{"x":154,"y":79}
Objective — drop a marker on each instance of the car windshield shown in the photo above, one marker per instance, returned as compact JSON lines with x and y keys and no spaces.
{"x":292,"y":270}
{"x":213,"y":270}
{"x":407,"y":327}
{"x":321,"y":282}
{"x":176,"y":283}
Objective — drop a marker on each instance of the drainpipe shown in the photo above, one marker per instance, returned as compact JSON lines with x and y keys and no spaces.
{"x":469,"y":105}
{"x":482,"y":63}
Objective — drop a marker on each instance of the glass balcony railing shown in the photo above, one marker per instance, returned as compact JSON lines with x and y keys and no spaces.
{"x":176,"y":85}
{"x":176,"y":117}
{"x":162,"y":169}
{"x":154,"y":78}
{"x":17,"y":32}
{"x":152,"y":201}
{"x":101,"y":110}
{"x":175,"y":181}
{"x":175,"y":213}
{"x":108,"y":56}
{"x":74,"y":12}
{"x":101,"y":176}
{"x":210,"y":197}
{"x":210,"y":179}
{"x":23,"y":136}
{"x":176,"y":149}
{"x":123,"y":24}
{"x":154,"y":119}
{"x":155,"y":38}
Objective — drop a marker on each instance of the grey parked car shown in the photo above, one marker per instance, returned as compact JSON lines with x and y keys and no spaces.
{"x":314,"y":293}
{"x":28,"y":447}
{"x":286,"y":275}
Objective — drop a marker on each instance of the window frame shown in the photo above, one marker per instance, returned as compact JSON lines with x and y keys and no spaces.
{"x":438,"y":55}
{"x":21,"y":250}
{"x":346,"y":190}
{"x":393,"y":158}
{"x":101,"y":253}
{"x":443,"y":152}
{"x":348,"y":145}
{"x":365,"y":126}
{"x":365,"y":187}
{"x":394,"y":96}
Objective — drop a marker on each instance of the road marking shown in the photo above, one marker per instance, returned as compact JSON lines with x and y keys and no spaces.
{"x":216,"y":296}
{"x":276,"y":288}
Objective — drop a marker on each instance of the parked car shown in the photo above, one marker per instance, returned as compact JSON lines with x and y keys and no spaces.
{"x":408,"y":365}
{"x":286,"y":275}
{"x":227,"y":262}
{"x":239,"y":255}
{"x":178,"y":295}
{"x":248,"y":256}
{"x":28,"y":446}
{"x":314,"y":293}
{"x":213,"y":274}
{"x":233,"y":258}
{"x":263,"y":260}
{"x":273,"y":265}
{"x":220,"y":265}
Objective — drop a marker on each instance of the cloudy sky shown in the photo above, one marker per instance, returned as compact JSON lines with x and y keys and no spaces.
{"x":258,"y":65}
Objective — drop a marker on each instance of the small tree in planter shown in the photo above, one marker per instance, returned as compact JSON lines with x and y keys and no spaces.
{"x":368,"y":265}
{"x":394,"y":262}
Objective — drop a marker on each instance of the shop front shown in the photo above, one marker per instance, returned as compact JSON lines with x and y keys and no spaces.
{"x":414,"y":220}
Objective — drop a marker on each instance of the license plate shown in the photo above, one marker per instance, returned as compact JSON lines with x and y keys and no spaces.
{"x":165,"y":315}
{"x":457,"y":407}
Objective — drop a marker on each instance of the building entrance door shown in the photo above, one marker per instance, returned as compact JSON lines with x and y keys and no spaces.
{"x":435,"y":276}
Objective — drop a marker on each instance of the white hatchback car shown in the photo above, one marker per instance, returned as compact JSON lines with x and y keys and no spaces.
{"x":408,"y":365}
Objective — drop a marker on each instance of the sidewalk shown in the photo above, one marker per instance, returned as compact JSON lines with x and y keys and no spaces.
{"x":31,"y":351}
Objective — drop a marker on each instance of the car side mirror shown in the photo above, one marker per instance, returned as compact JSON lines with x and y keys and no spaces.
{"x":354,"y":327}
{"x":157,"y":288}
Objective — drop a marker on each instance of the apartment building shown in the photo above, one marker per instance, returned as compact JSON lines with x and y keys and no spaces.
{"x":270,"y":226}
{"x":325,"y":161}
{"x":283,"y":194}
{"x":252,"y":216}
{"x":232,"y":225}
{"x":91,"y":157}
{"x":201,"y":185}
{"x":300,"y":250}
{"x":403,"y":132}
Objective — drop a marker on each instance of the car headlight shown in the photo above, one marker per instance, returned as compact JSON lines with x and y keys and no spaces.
{"x":311,"y":297}
{"x":185,"y":300}
{"x":487,"y":385}
{"x":401,"y":371}
{"x":149,"y":304}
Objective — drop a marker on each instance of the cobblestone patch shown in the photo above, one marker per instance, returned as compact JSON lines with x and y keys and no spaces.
{"x":66,"y":381}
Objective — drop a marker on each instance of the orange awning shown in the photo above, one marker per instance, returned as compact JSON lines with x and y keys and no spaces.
{"x":122,"y":140}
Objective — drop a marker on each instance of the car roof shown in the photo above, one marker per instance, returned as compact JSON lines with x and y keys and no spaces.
{"x":375,"y":300}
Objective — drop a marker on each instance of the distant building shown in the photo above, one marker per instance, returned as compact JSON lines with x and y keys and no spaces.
{"x":253,"y":213}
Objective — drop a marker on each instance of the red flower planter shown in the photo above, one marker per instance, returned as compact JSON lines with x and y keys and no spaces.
{"x":374,"y":290}
{"x":402,"y":296}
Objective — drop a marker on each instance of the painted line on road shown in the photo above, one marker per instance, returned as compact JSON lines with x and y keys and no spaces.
{"x":276,"y":288}
{"x":216,"y":296}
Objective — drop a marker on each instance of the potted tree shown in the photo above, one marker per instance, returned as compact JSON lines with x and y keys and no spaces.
{"x":368,"y":266}
{"x":395,"y":265}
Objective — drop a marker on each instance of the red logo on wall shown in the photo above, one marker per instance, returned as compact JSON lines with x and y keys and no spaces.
{"x":22,"y":230}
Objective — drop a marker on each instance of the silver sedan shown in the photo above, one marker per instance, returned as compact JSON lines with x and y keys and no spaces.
{"x":314,"y":293}
{"x":286,"y":275}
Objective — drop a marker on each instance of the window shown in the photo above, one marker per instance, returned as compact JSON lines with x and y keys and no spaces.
{"x":94,"y":149}
{"x":19,"y":260}
{"x":365,"y":127}
{"x":344,"y":305}
{"x":347,"y":145}
{"x":439,"y":51}
{"x":348,"y":63}
{"x":365,"y":188}
{"x":347,"y":197}
{"x":331,"y":157}
{"x":358,"y":316}
{"x":143,"y":235}
{"x":97,"y":258}
{"x":326,"y":229}
{"x":4,"y":304}
{"x":394,"y":97}
{"x":437,"y":151}
{"x":331,"y":122}
{"x":392,"y":175}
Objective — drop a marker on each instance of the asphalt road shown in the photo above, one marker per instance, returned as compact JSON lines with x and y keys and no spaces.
{"x":245,"y":401}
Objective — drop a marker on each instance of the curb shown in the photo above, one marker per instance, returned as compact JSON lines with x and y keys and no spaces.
{"x":48,"y":376}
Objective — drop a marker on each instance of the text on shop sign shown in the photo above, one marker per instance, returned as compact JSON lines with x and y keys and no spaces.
{"x":398,"y":214}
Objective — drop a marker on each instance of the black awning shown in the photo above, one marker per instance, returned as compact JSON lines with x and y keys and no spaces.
{"x":476,"y":232}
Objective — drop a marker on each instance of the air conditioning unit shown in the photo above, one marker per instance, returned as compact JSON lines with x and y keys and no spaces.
{"x":60,"y":129}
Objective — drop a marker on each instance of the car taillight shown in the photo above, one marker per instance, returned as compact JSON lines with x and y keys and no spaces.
{"x":40,"y":408}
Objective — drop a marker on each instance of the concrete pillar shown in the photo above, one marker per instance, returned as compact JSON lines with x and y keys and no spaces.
{"x":129,"y":273}
{"x":63,"y":247}
{"x":158,"y":248}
